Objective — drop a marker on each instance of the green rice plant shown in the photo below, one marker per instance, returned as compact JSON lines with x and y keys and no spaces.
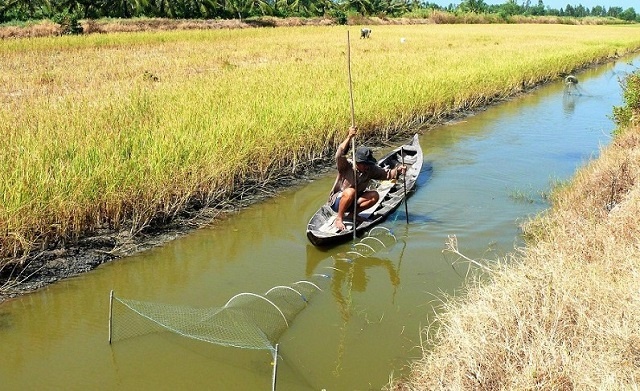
{"x":128,"y":129}
{"x":627,"y":115}
{"x":523,"y":196}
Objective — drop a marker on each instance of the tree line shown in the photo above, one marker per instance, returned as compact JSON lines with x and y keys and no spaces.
{"x":23,"y":10}
{"x":511,"y":7}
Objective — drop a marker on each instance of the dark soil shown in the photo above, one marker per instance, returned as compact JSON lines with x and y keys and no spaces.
{"x":68,"y":259}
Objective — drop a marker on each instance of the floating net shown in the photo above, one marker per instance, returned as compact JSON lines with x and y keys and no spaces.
{"x":247,"y":320}
{"x":376,"y":240}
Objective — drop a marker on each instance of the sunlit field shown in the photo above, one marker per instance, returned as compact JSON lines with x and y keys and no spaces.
{"x":125,"y":130}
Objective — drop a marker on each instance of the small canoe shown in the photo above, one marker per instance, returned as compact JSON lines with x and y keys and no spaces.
{"x":321,"y":230}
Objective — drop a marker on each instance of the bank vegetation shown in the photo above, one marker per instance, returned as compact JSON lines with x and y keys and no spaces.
{"x":127,"y":131}
{"x":68,"y":13}
{"x":56,"y":27}
{"x":563,"y":313}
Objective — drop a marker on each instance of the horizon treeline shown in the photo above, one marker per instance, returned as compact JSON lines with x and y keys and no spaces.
{"x":25,"y":10}
{"x":527,"y":8}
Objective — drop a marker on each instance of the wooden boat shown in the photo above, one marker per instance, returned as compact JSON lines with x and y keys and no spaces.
{"x":321,"y":230}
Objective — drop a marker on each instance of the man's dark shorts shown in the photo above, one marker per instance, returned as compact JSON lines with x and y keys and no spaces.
{"x":336,"y":202}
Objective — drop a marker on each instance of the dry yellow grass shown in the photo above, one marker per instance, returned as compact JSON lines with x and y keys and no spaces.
{"x":102,"y":130}
{"x":564,"y":313}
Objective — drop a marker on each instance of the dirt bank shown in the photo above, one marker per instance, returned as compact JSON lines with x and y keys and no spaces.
{"x":68,"y":259}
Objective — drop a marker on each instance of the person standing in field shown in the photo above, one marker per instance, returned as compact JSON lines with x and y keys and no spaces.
{"x":343,"y":192}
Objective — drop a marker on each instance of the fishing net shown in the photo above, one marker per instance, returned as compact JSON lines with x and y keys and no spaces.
{"x":247,"y":320}
{"x":377,"y":240}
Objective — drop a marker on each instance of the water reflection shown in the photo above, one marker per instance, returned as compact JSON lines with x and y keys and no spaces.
{"x":352,"y":274}
{"x":572,"y":95}
{"x":349,"y":270}
{"x":5,"y":320}
{"x":569,"y":103}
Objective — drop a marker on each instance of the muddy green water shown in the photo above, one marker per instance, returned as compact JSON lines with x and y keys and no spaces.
{"x":481,"y":177}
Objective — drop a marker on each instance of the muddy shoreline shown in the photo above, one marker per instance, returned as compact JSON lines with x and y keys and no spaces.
{"x":42,"y":268}
{"x":66,"y":260}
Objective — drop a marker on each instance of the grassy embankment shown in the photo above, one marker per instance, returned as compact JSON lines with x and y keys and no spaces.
{"x":46,"y":28}
{"x":124,"y":130}
{"x":564,"y":313}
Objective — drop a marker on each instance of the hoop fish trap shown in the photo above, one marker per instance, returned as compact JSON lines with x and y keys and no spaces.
{"x":246,"y":321}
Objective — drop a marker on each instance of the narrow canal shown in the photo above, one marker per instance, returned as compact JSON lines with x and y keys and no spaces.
{"x":482,"y":176}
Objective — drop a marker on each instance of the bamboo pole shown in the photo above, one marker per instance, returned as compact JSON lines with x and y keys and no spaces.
{"x":404,"y":183}
{"x":353,"y":141}
{"x":275,"y":369}
{"x":110,"y":314}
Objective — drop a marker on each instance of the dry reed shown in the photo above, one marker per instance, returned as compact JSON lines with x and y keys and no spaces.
{"x":562,"y":314}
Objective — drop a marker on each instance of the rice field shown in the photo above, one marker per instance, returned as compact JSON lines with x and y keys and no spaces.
{"x":127,"y":129}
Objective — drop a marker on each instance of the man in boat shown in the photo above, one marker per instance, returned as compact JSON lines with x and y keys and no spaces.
{"x":343,"y":192}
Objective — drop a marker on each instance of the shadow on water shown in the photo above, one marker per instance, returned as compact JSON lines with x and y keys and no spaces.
{"x":425,"y":174}
{"x":415,"y":217}
{"x":5,"y":320}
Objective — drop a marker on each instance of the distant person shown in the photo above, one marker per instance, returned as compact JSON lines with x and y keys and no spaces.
{"x":571,"y":85}
{"x":343,"y":193}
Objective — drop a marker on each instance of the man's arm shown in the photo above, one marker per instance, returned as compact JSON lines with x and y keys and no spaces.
{"x":397,"y":171}
{"x":343,"y":148}
{"x":382,"y":174}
